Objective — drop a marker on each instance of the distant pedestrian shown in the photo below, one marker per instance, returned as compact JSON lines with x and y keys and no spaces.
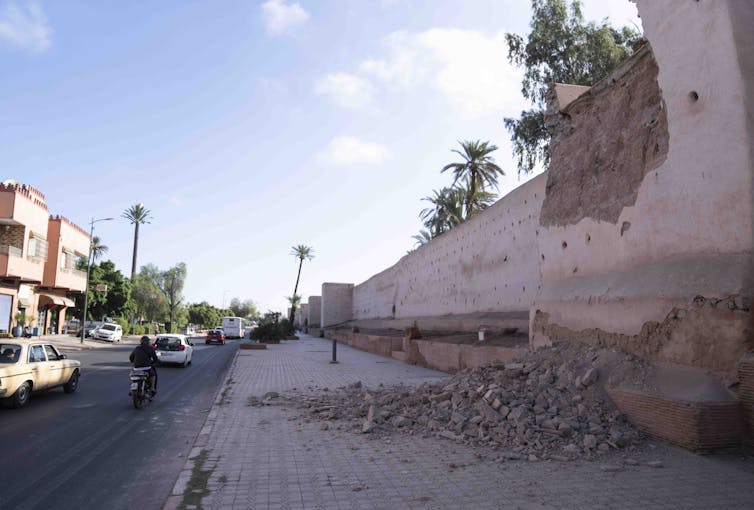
{"x":27,"y":332}
{"x":156,"y":329}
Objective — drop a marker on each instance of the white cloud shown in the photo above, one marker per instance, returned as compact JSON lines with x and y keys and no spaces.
{"x":347,"y":90}
{"x":468,"y":68}
{"x":25,"y":27}
{"x":348,"y":150}
{"x":280,"y":18}
{"x":472,"y":70}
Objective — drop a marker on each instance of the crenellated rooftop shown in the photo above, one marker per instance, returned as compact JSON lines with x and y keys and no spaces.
{"x":25,"y":190}
{"x":63,"y":219}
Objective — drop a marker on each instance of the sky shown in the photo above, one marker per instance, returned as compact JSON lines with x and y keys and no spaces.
{"x":249,"y":127}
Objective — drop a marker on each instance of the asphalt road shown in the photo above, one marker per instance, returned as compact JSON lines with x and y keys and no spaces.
{"x":92,"y":449}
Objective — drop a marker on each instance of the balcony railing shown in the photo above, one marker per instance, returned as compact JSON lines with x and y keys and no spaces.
{"x":13,"y":251}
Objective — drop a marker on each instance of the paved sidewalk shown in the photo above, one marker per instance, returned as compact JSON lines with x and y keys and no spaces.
{"x":269,"y":458}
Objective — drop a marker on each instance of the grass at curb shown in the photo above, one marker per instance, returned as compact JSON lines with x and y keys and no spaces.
{"x":196,"y":488}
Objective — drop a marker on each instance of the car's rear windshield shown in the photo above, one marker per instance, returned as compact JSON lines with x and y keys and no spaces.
{"x":109,"y":327}
{"x":168,"y":343}
{"x":10,"y":353}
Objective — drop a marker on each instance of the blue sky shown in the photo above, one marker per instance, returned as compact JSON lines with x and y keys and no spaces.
{"x":249,"y":127}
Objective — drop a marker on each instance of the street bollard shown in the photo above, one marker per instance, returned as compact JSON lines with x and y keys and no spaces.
{"x":334,"y":351}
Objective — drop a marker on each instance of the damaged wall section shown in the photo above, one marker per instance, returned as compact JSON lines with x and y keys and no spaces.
{"x":627,"y":199}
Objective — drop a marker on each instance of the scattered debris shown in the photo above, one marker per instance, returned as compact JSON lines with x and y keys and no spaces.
{"x":550,"y":404}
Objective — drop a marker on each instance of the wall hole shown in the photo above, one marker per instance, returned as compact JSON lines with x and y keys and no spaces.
{"x":564,"y":245}
{"x":588,"y":238}
{"x":693,"y":96}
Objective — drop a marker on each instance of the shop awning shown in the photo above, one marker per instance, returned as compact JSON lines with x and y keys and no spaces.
{"x":58,"y":300}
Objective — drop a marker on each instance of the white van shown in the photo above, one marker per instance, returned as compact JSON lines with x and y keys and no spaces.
{"x":233,"y":327}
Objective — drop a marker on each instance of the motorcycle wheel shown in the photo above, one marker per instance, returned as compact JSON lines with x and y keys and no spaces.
{"x":138,"y":398}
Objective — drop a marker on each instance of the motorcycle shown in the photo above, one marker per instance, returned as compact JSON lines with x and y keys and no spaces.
{"x":140,"y":391}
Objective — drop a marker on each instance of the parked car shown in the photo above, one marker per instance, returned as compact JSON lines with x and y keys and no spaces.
{"x":89,"y":327}
{"x":109,"y":332}
{"x":31,"y":365}
{"x":215,"y":336}
{"x":176,"y":349}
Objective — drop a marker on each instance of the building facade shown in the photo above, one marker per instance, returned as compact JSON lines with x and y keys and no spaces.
{"x":38,"y":255}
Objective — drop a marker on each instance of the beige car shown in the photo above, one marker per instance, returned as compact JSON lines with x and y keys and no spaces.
{"x":33,"y":365}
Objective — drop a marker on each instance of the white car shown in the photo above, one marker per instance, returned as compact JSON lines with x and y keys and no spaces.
{"x":176,"y":349}
{"x":108,"y":331}
{"x":27,"y":366}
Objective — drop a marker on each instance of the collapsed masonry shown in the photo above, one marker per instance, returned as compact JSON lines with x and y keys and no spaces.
{"x":549,"y":405}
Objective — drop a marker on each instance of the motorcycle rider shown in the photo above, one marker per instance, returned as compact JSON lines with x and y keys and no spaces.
{"x":144,"y":356}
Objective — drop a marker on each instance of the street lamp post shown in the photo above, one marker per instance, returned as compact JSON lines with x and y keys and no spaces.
{"x":88,"y":270}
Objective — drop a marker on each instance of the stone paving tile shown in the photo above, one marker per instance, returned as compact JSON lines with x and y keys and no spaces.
{"x":268,"y":461}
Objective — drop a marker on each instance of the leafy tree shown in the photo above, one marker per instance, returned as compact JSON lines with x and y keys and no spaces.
{"x":171,"y":284}
{"x":137,"y":214}
{"x":149,"y":301}
{"x":561,"y":48}
{"x":478,"y":170}
{"x":246,"y":309}
{"x":301,"y":252}
{"x":98,"y":249}
{"x":204,"y":314}
{"x":113,"y":302}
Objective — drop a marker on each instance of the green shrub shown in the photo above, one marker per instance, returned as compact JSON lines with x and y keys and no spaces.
{"x":123,"y":323}
{"x":270,"y":329}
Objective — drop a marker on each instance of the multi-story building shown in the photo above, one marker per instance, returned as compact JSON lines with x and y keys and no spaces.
{"x":38,"y":253}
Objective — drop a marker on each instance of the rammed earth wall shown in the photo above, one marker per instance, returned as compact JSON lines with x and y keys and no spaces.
{"x":486,"y":264}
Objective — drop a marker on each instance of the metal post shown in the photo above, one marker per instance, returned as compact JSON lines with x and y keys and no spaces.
{"x":334,"y":351}
{"x":88,"y":270}
{"x":86,"y":289}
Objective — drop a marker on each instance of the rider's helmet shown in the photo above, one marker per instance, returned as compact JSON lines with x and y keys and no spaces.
{"x":145,"y":340}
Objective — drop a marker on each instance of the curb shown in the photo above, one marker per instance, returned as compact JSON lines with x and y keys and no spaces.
{"x":175,"y":497}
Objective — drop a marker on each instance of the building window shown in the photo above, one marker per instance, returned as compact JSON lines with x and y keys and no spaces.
{"x":37,"y":248}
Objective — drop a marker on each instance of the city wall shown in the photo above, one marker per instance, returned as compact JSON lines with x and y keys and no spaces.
{"x":488,"y":264}
{"x":640,"y":233}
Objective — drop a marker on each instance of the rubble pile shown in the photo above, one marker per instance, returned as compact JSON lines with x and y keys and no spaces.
{"x":549,"y":404}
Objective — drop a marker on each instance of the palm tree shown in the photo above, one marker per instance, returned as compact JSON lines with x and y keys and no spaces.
{"x":422,"y":238}
{"x":98,"y":249}
{"x":136,"y":214}
{"x":478,"y":169}
{"x":301,"y":252}
{"x":446,"y":211}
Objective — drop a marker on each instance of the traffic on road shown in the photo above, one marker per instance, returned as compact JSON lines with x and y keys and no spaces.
{"x":80,"y":424}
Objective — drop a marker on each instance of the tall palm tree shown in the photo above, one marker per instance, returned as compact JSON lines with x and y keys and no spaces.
{"x":98,"y":249}
{"x":301,"y":252}
{"x":137,"y":215}
{"x":478,"y":169}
